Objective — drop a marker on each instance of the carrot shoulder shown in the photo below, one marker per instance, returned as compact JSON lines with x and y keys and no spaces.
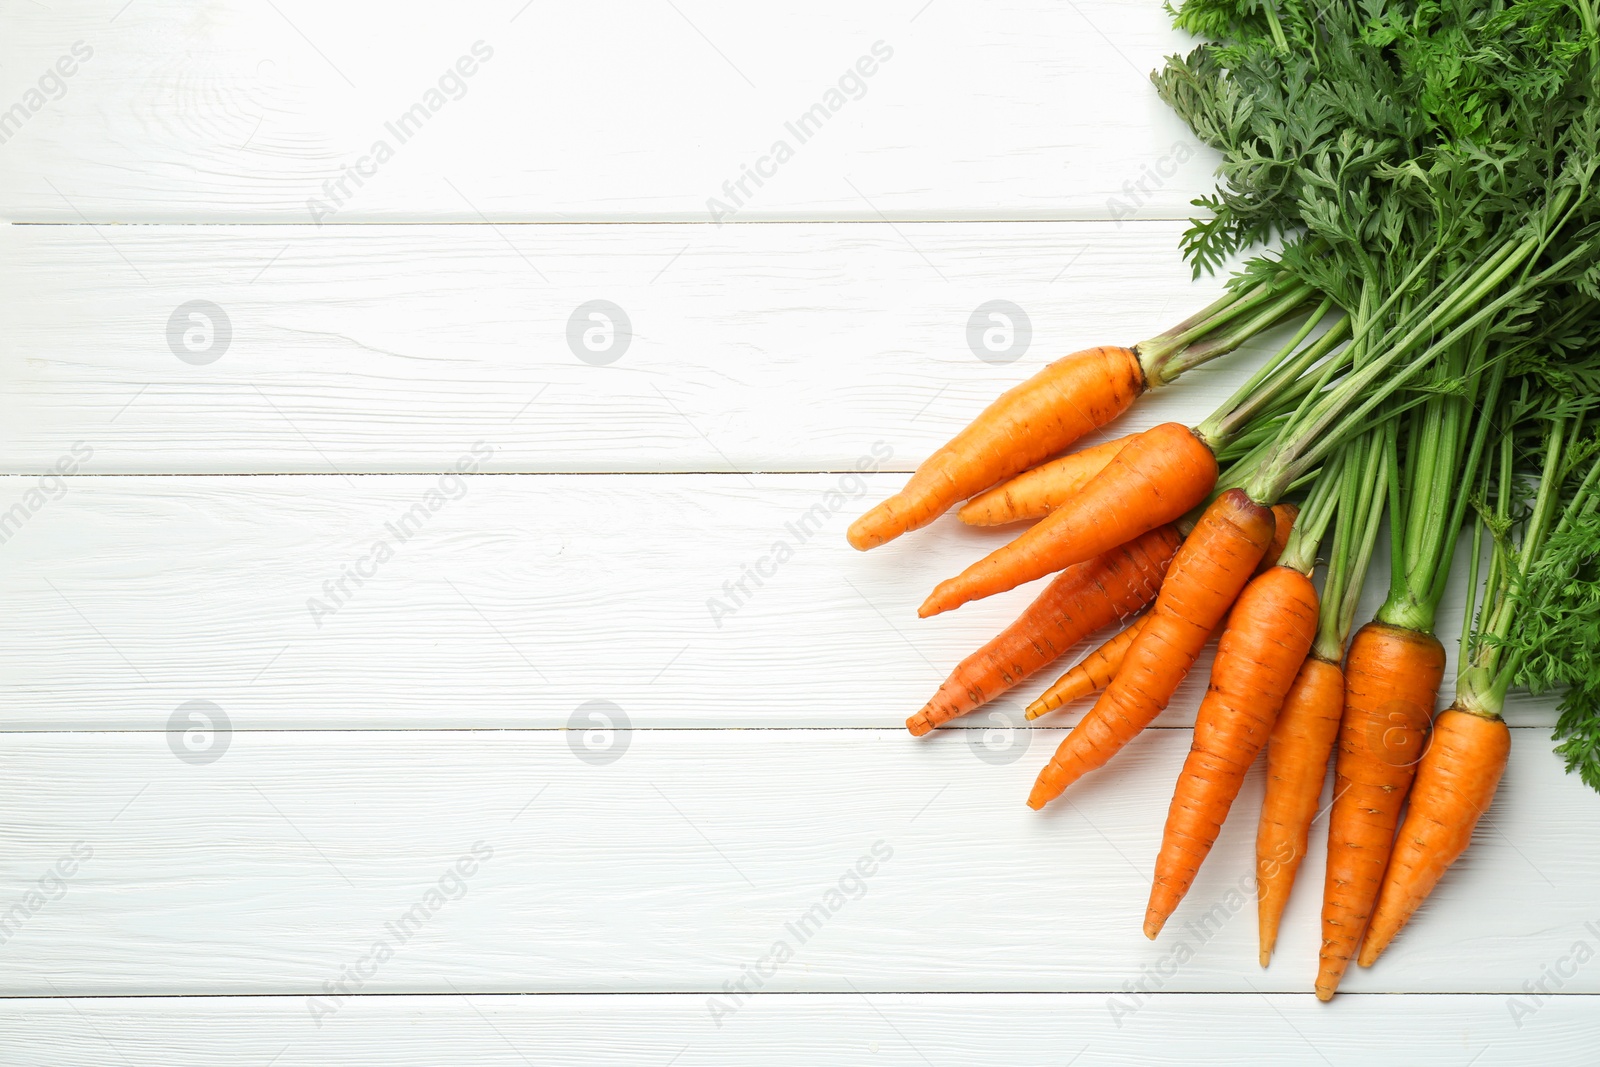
{"x":1035,"y":493}
{"x":1078,"y":602}
{"x":1456,"y":782}
{"x":1268,"y":635}
{"x":1155,"y":479}
{"x":1210,"y":569}
{"x":1392,"y":678}
{"x":1297,"y":767}
{"x":1024,"y":426}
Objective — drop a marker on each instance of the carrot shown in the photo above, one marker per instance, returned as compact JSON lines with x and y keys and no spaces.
{"x":1297,"y":766}
{"x":1353,"y":485}
{"x":1081,"y":600}
{"x":1268,"y":636}
{"x":1283,"y":519}
{"x":1036,"y":492}
{"x":1535,"y":626}
{"x":1456,"y":781}
{"x":1392,"y":677}
{"x":1207,"y":574}
{"x":1026,"y":425}
{"x":1155,"y":479}
{"x":1092,"y":674}
{"x":1096,"y":670}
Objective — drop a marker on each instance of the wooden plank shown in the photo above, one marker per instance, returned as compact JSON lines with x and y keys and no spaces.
{"x":880,"y":863}
{"x":378,"y":349}
{"x":895,"y":1030}
{"x":294,"y":111}
{"x":514,"y":604}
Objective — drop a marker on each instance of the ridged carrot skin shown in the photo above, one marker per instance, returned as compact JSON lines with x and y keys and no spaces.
{"x":1297,"y":768}
{"x":1155,"y":479}
{"x":1269,"y":633}
{"x":1209,"y":571}
{"x":1091,"y":674}
{"x":1035,"y":493}
{"x":1024,"y":426}
{"x":1078,"y":602}
{"x":1096,"y":670}
{"x":1456,"y":782}
{"x":1391,"y":680}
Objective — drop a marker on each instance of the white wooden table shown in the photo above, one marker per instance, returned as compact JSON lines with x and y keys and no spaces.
{"x":319,"y":750}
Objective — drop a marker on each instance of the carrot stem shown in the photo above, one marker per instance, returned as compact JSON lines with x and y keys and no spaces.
{"x":1205,"y":351}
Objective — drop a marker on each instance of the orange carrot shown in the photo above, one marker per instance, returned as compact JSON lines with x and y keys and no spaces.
{"x":1081,"y":600}
{"x":1297,"y":766}
{"x":1456,"y":781}
{"x":1096,"y":670}
{"x":1155,"y":479}
{"x":1391,"y":680}
{"x":1283,"y":516}
{"x":1026,"y":425}
{"x":1268,"y":636}
{"x":1036,"y":492}
{"x":1092,"y":673}
{"x":1210,"y":569}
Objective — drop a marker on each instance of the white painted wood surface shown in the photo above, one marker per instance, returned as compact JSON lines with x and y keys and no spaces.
{"x":244,"y":111}
{"x":897,"y":1030}
{"x":691,"y":854}
{"x":517,"y":601}
{"x":1007,"y":150}
{"x":372,"y":349}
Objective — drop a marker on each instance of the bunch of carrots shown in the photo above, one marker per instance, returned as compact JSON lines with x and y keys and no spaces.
{"x":1438,"y":319}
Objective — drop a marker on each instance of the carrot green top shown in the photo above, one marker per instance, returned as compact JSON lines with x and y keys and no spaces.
{"x":1538,"y":622}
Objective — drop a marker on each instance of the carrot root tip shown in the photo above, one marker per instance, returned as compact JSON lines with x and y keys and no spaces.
{"x":918,"y":724}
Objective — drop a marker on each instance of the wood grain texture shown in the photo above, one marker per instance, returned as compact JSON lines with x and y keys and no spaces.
{"x":517,"y":601}
{"x":377,"y":349}
{"x":242,"y":111}
{"x":893,"y":1030}
{"x":882,"y":863}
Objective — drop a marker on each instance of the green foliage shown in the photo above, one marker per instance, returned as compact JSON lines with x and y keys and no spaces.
{"x":1557,"y":640}
{"x":1430,"y":166}
{"x":1376,"y":125}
